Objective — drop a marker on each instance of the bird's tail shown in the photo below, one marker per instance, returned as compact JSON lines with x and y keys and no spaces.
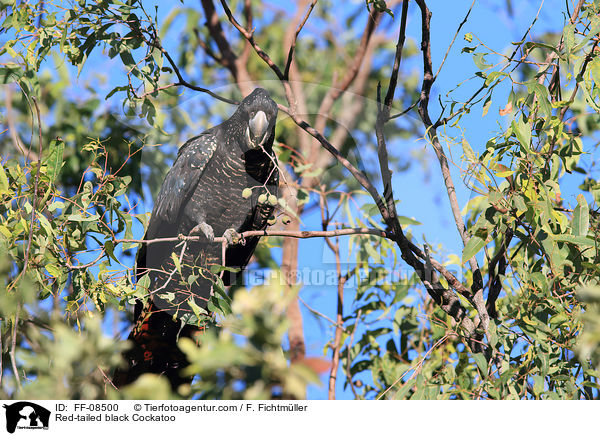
{"x":154,"y":347}
{"x":154,"y":339}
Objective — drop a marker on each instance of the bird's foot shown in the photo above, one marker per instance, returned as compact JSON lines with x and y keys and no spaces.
{"x":233,"y":237}
{"x":204,"y":229}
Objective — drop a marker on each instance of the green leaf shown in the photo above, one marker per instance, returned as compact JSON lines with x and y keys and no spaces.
{"x":198,"y":311}
{"x":486,"y":106}
{"x":523,"y":133}
{"x":55,"y":158}
{"x":468,"y":151}
{"x":569,"y":39}
{"x":46,"y":225}
{"x":216,"y":269}
{"x":581,"y":217}
{"x":176,"y":262}
{"x":114,"y":90}
{"x":3,"y":181}
{"x":149,"y":110}
{"x":54,"y":270}
{"x":576,"y":240}
{"x":481,"y":362}
{"x":77,"y":217}
{"x":505,"y":173}
{"x":479,"y":59}
{"x":493,"y":333}
{"x":531,"y":45}
{"x":405,"y":221}
{"x":472,"y":248}
{"x":542,"y":95}
{"x":10,"y":73}
{"x":538,"y":384}
{"x":109,"y":248}
{"x":143,"y":284}
{"x":127,"y":59}
{"x":158,"y":57}
{"x":493,"y":76}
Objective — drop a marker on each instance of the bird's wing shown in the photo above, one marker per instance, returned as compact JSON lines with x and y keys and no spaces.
{"x":181,"y":180}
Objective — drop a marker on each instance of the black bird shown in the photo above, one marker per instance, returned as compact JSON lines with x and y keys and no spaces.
{"x":213,"y":189}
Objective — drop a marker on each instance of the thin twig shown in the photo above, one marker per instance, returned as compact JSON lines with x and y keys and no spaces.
{"x":13,"y":347}
{"x":174,"y":270}
{"x":10,"y":121}
{"x":106,"y":378}
{"x":87,"y":265}
{"x":348,"y":360}
{"x":431,"y":131}
{"x":303,"y":234}
{"x":260,"y":52}
{"x":413,"y":368}
{"x":35,"y":183}
{"x":183,"y":82}
{"x":316,"y":312}
{"x":237,"y":66}
{"x":405,"y":111}
{"x":418,"y":366}
{"x":453,"y":39}
{"x":444,"y":120}
{"x":35,"y":196}
{"x":335,"y":359}
{"x":552,"y":55}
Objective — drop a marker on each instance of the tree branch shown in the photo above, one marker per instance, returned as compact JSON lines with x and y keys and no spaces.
{"x":356,"y":173}
{"x":389,"y":97}
{"x":383,"y":114}
{"x":300,"y":234}
{"x":431,"y":130}
{"x":495,"y":284}
{"x":339,"y":324}
{"x":183,"y":82}
{"x":428,"y":78}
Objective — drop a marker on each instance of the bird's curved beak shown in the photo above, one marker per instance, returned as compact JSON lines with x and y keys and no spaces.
{"x":256,"y":132}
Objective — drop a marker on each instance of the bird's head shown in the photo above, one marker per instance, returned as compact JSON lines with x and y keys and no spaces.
{"x":259,"y":113}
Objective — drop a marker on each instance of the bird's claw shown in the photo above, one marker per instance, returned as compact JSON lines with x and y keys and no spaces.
{"x":233,"y":237}
{"x":204,"y":229}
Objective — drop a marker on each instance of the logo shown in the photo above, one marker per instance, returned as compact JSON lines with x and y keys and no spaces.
{"x":26,"y":415}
